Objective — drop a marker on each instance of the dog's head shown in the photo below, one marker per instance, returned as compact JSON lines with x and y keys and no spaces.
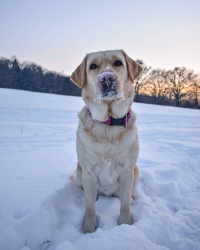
{"x":106,"y":75}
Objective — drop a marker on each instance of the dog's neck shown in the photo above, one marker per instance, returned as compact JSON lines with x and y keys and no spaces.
{"x":116,"y":121}
{"x":103,"y":110}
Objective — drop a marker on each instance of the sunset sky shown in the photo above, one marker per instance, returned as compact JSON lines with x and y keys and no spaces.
{"x":58,"y":34}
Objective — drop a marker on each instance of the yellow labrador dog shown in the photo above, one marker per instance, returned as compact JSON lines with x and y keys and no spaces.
{"x":107,"y":137}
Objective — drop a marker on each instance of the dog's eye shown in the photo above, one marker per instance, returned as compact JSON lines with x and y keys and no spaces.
{"x":118,"y":63}
{"x":93,"y":66}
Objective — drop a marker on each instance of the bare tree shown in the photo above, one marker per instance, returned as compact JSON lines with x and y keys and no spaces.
{"x":142,"y":79}
{"x":157,"y":85}
{"x":179,"y":80}
{"x":195,"y":90}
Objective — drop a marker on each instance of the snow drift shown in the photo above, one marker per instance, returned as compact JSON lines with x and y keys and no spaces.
{"x":42,"y":209}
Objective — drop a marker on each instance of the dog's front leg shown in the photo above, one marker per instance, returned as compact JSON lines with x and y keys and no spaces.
{"x":125,"y":192}
{"x":90,"y":191}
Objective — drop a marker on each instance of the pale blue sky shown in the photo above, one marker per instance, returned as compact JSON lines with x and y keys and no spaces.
{"x":57,"y":34}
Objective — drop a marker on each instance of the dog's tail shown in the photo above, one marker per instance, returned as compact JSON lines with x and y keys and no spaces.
{"x":73,"y":177}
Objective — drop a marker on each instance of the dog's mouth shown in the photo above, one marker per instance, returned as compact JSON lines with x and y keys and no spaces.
{"x":107,"y":89}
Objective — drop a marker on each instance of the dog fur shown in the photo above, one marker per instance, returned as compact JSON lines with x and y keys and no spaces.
{"x":107,"y":155}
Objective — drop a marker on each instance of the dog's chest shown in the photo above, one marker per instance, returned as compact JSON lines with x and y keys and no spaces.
{"x":107,"y":173}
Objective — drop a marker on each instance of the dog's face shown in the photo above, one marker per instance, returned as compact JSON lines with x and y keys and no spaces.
{"x":106,"y":75}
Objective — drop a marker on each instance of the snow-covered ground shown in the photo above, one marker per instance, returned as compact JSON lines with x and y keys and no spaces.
{"x":40,"y":208}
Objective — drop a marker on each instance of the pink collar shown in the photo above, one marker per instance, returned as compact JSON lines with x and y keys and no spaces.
{"x":116,"y":122}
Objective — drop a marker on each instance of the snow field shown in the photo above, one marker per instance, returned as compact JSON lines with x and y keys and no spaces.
{"x":42,"y":209}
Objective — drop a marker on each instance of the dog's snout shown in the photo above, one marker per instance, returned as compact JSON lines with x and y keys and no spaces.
{"x":108,"y":83}
{"x":107,"y":77}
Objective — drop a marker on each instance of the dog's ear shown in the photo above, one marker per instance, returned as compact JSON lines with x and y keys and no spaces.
{"x":79,"y":76}
{"x":133,"y":68}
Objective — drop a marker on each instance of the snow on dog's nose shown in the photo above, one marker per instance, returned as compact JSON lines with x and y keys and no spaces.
{"x":108,"y":83}
{"x":106,"y":77}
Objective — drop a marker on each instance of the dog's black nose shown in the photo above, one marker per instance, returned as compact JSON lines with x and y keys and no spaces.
{"x":107,"y":77}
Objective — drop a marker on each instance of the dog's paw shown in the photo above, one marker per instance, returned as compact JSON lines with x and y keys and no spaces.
{"x":89,"y":225}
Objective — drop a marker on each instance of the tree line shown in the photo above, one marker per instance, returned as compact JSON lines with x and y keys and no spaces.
{"x":32,"y":77}
{"x":179,"y":87}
